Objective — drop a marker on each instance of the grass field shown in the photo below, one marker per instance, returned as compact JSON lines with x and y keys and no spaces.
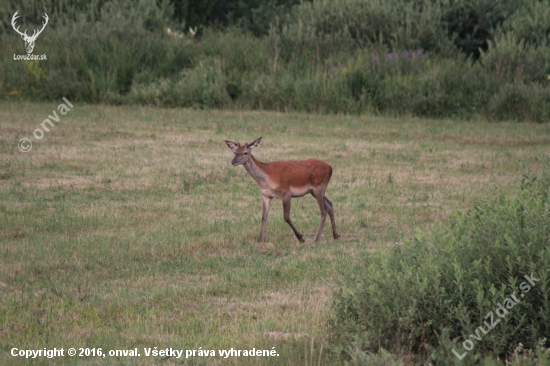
{"x":128,"y":227}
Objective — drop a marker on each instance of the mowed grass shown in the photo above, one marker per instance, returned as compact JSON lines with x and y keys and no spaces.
{"x":128,"y":227}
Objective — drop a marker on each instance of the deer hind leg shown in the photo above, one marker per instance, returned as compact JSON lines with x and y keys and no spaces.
{"x":321,"y":200}
{"x":286,"y":208}
{"x":330,"y":210}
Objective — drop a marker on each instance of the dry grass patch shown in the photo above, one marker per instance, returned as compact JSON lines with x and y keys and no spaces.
{"x":134,"y":229}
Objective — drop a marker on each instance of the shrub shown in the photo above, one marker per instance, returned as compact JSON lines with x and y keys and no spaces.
{"x":416,"y":83}
{"x":512,"y":60}
{"x":520,"y":102}
{"x":530,"y":23}
{"x":317,"y":56}
{"x":202,"y":87}
{"x":311,"y":90}
{"x":433,"y":293}
{"x":471,"y":24}
{"x":324,"y":28}
{"x":91,"y":58}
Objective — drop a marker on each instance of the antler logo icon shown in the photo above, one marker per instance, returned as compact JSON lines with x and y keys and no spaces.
{"x":29,"y":41}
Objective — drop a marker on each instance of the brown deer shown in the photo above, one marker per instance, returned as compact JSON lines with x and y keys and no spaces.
{"x":287,"y":179}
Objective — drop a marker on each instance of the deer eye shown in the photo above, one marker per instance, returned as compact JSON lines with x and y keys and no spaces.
{"x":246,"y":152}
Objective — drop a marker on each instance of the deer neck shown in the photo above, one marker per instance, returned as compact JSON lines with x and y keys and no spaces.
{"x":254,"y":168}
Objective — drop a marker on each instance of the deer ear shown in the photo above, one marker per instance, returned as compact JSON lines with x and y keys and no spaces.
{"x":254,"y":143}
{"x":231,"y":145}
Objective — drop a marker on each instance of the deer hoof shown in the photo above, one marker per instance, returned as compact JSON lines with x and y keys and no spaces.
{"x":301,"y":239}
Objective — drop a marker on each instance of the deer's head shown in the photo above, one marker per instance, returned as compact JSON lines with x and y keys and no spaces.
{"x":242,"y":153}
{"x":29,"y":40}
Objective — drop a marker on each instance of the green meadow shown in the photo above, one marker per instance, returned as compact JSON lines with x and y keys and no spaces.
{"x":127,"y":227}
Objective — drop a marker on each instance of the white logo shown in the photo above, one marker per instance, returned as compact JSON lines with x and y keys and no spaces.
{"x":29,"y":40}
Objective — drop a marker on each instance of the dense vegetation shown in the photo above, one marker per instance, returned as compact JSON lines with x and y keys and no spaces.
{"x":450,"y":289}
{"x":428,"y":58}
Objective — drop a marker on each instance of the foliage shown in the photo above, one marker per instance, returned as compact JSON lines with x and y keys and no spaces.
{"x":461,"y":58}
{"x":472,"y":23}
{"x":435,"y":291}
{"x":254,"y":15}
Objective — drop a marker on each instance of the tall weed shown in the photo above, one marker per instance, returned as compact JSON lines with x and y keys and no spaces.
{"x":431,"y":294}
{"x":344,"y":56}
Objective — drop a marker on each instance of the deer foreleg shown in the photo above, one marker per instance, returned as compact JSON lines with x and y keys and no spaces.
{"x":265,"y":214}
{"x":286,"y":208}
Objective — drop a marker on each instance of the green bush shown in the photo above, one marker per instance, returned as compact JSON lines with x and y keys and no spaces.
{"x":520,"y":102}
{"x":309,"y":90}
{"x":340,"y":56}
{"x":200,"y":88}
{"x":417,"y":83}
{"x":511,"y":60}
{"x":434,"y":292}
{"x":530,"y":23}
{"x":89,"y":60}
{"x":328,"y":27}
{"x":471,"y":24}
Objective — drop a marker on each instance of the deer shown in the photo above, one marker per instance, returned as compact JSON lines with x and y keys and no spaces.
{"x":29,"y":41}
{"x":284,"y":180}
